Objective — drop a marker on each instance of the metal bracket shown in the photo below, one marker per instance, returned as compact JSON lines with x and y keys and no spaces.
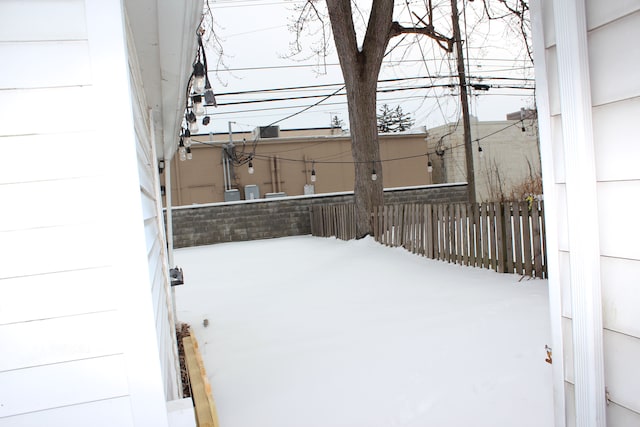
{"x":176,"y":275}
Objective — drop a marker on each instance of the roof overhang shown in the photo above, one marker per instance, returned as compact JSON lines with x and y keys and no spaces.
{"x":165,"y":39}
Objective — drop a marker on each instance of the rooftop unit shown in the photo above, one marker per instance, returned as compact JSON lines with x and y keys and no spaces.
{"x":264,"y":132}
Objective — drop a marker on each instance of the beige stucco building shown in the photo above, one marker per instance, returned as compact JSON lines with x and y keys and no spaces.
{"x":284,"y":163}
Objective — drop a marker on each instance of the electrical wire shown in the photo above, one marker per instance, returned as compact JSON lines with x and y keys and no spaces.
{"x":353,"y":162}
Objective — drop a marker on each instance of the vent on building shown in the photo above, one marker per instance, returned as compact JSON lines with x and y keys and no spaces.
{"x":267,"y":132}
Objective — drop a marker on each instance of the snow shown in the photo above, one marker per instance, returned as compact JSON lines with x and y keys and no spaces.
{"x":307,"y":331}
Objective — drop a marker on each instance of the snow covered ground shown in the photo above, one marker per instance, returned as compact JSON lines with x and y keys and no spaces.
{"x":306,"y":332}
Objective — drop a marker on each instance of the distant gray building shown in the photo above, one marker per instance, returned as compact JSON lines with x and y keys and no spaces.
{"x":505,"y":155}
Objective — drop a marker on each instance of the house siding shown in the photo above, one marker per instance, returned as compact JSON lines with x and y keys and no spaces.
{"x":76,"y":321}
{"x":149,"y":179}
{"x":614,"y":64}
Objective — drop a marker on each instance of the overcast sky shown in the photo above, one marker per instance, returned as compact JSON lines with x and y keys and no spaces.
{"x":255,"y":38}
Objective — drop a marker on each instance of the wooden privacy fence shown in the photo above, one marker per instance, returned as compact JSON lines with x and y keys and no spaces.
{"x":337,"y":220}
{"x":507,"y":237}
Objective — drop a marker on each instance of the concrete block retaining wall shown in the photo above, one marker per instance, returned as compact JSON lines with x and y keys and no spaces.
{"x":268,"y":218}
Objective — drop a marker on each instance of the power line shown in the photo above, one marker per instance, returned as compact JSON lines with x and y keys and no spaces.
{"x":399,"y":79}
{"x":353,"y":162}
{"x":344,"y":103}
{"x":278,"y":67}
{"x":336,"y":93}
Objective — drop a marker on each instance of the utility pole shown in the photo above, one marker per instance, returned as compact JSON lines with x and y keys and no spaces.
{"x":466,"y":125}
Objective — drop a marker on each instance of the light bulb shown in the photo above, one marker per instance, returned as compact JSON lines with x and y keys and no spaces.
{"x":313,"y":175}
{"x":187,"y":141}
{"x":250,"y":168}
{"x":198,"y":106}
{"x":480,"y":153}
{"x":209,"y":97}
{"x":374,"y":176}
{"x":193,"y":127}
{"x":189,"y":153}
{"x":429,"y":166}
{"x":199,"y":77}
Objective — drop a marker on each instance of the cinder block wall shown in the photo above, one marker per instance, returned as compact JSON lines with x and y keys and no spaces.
{"x":269,"y":218}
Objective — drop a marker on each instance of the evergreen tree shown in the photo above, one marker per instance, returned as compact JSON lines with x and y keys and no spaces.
{"x":337,"y":122}
{"x":403,"y":121}
{"x":385,"y":119}
{"x":394,"y":120}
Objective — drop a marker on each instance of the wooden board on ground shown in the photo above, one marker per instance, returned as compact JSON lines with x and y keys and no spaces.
{"x":206,"y":415}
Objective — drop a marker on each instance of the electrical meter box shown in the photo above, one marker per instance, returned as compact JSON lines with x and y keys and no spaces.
{"x":251,"y":192}
{"x":232,"y":195}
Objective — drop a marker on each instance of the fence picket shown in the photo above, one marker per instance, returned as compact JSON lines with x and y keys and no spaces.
{"x":526,"y":239}
{"x":517,"y":233}
{"x":457,"y":241}
{"x":484,"y":236}
{"x":537,"y":247}
{"x":492,"y":233}
{"x":500,"y":243}
{"x":508,"y":238}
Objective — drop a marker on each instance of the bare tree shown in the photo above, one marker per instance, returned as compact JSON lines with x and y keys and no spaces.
{"x":361,"y":62}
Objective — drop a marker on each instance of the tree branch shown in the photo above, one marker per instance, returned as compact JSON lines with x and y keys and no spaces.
{"x":397,"y":29}
{"x":378,"y":30}
{"x":340,"y":16}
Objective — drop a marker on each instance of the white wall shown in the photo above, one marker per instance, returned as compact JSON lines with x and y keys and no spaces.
{"x":611,"y":75}
{"x":77,"y":320}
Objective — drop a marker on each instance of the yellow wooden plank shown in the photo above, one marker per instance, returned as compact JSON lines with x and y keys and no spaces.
{"x":206,"y":415}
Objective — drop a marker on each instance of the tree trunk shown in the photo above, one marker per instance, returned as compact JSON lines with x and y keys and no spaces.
{"x":365,"y":150}
{"x":360,"y":69}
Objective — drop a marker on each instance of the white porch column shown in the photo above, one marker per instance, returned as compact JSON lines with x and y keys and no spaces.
{"x":582,"y":211}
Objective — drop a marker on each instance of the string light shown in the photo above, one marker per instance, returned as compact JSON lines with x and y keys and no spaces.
{"x":429,"y":165}
{"x":199,"y":77}
{"x":186,"y":137}
{"x":313,"y":172}
{"x":182,"y":151}
{"x":374,"y":175}
{"x":250,"y":170}
{"x":209,"y":97}
{"x":439,"y":150}
{"x":192,"y":121}
{"x":197,"y":85}
{"x":198,"y":106}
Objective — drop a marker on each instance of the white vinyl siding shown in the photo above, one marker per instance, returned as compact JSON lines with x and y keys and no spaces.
{"x":614,"y":67}
{"x":154,"y":233}
{"x":79,"y":347}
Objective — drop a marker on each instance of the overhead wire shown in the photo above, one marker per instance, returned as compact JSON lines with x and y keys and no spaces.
{"x":353,"y":162}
